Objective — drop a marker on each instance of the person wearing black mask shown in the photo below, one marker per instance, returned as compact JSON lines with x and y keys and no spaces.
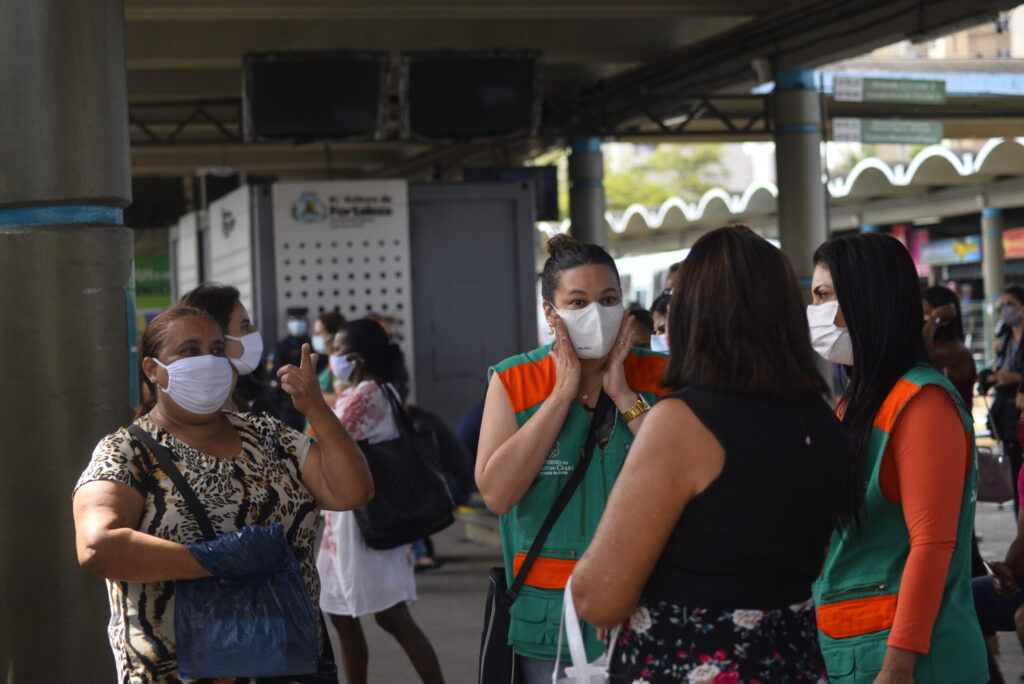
{"x":289,"y":352}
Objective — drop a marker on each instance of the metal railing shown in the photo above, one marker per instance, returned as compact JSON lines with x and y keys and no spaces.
{"x":977,"y":336}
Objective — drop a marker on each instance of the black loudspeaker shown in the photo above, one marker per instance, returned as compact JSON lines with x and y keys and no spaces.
{"x":305,"y":96}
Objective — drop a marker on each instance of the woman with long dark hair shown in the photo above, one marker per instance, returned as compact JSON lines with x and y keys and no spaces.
{"x":359,"y":581}
{"x":720,"y":518}
{"x":894,"y":598}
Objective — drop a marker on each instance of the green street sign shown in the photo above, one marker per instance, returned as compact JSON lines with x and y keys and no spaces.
{"x":153,"y":281}
{"x":896,"y":90}
{"x":897,"y":131}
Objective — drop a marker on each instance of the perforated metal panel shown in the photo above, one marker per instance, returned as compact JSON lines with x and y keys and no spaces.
{"x":185,"y":255}
{"x":344,"y":244}
{"x":231,"y":252}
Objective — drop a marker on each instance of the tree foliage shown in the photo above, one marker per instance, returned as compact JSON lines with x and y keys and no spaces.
{"x":650,"y":177}
{"x":671,"y":170}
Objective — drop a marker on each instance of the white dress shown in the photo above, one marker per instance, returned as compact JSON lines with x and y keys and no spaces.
{"x":357,"y":580}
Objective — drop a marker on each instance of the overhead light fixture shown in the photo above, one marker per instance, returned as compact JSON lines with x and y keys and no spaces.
{"x":927,"y":221}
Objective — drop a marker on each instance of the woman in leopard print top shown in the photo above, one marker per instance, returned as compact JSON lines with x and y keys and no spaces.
{"x":132,"y":523}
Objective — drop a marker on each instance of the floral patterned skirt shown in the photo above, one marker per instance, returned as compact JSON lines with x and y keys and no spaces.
{"x":663,"y":642}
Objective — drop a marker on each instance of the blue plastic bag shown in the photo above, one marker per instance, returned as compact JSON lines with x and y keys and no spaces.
{"x":257,"y":626}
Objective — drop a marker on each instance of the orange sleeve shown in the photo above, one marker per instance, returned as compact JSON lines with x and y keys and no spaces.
{"x":924,"y":467}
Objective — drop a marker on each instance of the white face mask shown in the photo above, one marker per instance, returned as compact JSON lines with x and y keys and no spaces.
{"x":342,"y":367}
{"x":252,"y":351}
{"x":659,"y":343}
{"x":828,"y":339}
{"x":297,"y":327}
{"x":593,"y":328}
{"x":319,"y":344}
{"x":199,"y":384}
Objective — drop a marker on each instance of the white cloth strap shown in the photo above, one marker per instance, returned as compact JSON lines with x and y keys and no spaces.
{"x":581,"y":672}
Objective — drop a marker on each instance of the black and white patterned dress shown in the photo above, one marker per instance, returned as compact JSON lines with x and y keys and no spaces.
{"x":260,"y":486}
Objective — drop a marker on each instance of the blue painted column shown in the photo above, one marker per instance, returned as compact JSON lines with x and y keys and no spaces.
{"x":992,"y":269}
{"x":586,"y":190}
{"x":802,"y":196}
{"x":65,"y":264}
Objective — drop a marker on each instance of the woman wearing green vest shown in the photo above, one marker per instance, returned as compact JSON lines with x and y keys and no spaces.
{"x":894,"y":598}
{"x":537,"y":417}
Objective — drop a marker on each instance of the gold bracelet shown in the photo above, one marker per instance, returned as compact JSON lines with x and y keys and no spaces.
{"x":638,"y":408}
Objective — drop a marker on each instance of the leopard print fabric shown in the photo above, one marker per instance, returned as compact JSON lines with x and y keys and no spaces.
{"x":261,"y":486}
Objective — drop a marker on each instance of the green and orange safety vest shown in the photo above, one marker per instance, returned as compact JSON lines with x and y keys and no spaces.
{"x":857,"y":592}
{"x":528,"y":380}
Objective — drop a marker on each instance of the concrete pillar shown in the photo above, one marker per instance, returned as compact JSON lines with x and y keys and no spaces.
{"x":586,"y":190}
{"x":992,"y":264}
{"x":802,"y":200}
{"x":803,"y":222}
{"x":65,"y":264}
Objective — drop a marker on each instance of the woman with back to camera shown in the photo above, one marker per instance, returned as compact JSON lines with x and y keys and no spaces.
{"x":944,"y":339}
{"x":243,"y":345}
{"x":720,"y":519}
{"x":894,"y":598}
{"x":537,"y":416}
{"x":358,"y":580}
{"x":133,"y":527}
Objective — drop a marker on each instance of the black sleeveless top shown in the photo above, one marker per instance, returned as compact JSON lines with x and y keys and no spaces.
{"x":756,"y":537}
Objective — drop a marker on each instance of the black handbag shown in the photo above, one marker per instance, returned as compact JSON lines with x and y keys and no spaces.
{"x":498,"y":663}
{"x":411,"y":499}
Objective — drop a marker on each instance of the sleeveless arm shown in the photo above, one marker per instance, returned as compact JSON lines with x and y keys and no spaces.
{"x":924,"y":468}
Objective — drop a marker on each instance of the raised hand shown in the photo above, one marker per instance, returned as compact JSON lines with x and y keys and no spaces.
{"x":301,"y":384}
{"x":567,"y":363}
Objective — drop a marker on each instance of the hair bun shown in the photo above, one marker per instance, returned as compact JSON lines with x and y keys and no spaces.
{"x":560,"y":243}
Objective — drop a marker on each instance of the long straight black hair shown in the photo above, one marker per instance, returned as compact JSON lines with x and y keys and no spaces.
{"x":877,"y":287}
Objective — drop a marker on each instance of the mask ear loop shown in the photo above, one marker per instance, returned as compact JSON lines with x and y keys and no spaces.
{"x":156,"y":383}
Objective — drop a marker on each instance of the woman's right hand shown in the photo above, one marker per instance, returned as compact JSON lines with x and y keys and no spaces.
{"x":567,"y":363}
{"x":1003,"y":580}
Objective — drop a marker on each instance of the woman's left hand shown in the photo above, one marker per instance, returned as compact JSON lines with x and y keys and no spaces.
{"x":898,"y":667}
{"x":891,"y":676}
{"x":614,"y":379}
{"x":301,"y":384}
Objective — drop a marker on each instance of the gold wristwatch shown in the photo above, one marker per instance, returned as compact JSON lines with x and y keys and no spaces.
{"x":641,"y":406}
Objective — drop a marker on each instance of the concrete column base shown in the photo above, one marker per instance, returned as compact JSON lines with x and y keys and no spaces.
{"x":63,"y":361}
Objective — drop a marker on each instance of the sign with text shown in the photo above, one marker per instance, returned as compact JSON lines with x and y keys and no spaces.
{"x":965,"y":250}
{"x":153,"y":281}
{"x":1013,"y":243}
{"x":895,"y":90}
{"x":344,"y":245}
{"x":894,"y":131}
